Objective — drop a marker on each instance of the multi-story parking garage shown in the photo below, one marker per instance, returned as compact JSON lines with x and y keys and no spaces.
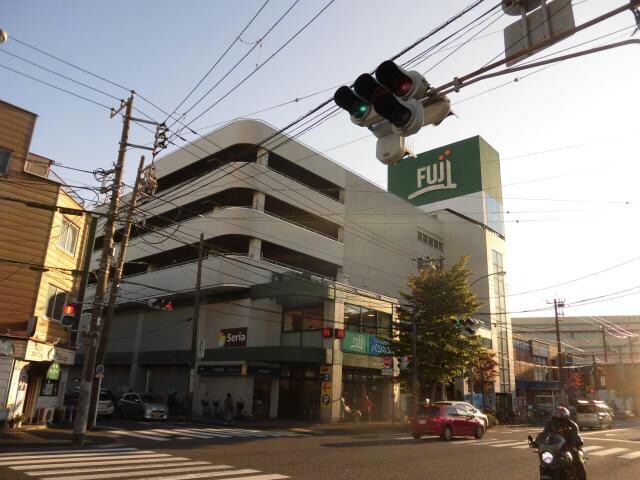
{"x":304,"y":261}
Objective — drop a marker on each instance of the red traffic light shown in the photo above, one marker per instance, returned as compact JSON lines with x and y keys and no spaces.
{"x":69,"y":309}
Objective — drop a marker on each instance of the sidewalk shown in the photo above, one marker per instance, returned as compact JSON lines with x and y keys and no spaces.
{"x":12,"y":439}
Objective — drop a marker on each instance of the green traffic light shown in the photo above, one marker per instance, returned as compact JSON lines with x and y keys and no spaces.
{"x":361,"y":110}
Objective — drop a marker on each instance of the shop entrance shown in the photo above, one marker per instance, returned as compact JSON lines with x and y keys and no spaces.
{"x":299,"y":396}
{"x":357,"y":382}
{"x":261,"y":397}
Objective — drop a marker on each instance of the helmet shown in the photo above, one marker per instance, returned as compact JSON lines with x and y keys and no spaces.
{"x":561,"y":412}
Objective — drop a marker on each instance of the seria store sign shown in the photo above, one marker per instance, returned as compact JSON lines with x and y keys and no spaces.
{"x":233,"y":337}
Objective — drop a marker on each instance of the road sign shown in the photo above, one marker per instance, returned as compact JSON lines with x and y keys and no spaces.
{"x":326,"y":387}
{"x":387,"y":372}
{"x":387,"y":362}
{"x":326,"y":399}
{"x":99,"y":371}
{"x":552,"y":20}
{"x":201,"y":348}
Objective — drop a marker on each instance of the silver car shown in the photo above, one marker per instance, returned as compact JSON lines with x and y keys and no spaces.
{"x":141,"y":406}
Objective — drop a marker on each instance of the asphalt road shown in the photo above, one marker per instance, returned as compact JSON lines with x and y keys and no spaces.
{"x":171,"y":451}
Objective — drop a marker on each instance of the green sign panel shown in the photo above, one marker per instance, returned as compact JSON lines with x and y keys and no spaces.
{"x":355,"y":343}
{"x":53,"y":373}
{"x":439,"y":174}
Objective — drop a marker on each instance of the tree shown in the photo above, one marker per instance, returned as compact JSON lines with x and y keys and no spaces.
{"x":483,"y":370}
{"x":438,"y":297}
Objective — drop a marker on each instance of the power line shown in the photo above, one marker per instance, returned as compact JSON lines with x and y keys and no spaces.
{"x":218,"y":61}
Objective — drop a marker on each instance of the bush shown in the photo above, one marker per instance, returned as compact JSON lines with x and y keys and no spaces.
{"x":493,"y":421}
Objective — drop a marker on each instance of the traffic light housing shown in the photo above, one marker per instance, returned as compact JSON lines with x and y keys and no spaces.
{"x":160,"y":304}
{"x":68,"y":314}
{"x":395,"y":104}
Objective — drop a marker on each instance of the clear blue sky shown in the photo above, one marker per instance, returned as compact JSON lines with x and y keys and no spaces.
{"x":566,"y":209}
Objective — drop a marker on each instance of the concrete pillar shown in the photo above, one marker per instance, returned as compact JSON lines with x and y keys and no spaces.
{"x":258,"y":201}
{"x":255,"y":248}
{"x":341,"y":234}
{"x":331,"y":371}
{"x":275,"y":396}
{"x":133,"y":368}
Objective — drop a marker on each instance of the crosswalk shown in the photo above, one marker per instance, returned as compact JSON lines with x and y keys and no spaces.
{"x":592,"y":450}
{"x":170,"y":433}
{"x":119,"y":463}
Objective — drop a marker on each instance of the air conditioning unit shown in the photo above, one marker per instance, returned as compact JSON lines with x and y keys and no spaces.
{"x":43,"y":415}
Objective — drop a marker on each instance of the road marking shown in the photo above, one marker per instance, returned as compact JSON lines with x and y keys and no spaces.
{"x":631,"y":455}
{"x":177,"y":462}
{"x":523,"y":446}
{"x":203,"y":431}
{"x":494,"y":442}
{"x":512,"y":444}
{"x":40,"y":452}
{"x":73,"y":456}
{"x":190,"y":476}
{"x":405,"y":438}
{"x":102,"y":476}
{"x":272,"y":476}
{"x":139,"y":435}
{"x":590,"y":448}
{"x":609,"y":451}
{"x":114,"y":461}
{"x":181,"y":433}
{"x":86,"y":458}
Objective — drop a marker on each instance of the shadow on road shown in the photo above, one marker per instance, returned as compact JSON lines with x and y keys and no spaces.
{"x":387,"y":442}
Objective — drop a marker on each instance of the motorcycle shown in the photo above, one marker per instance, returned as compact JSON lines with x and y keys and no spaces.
{"x":556,"y":460}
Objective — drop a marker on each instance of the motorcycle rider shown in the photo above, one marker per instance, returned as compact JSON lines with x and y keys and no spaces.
{"x":561,"y":424}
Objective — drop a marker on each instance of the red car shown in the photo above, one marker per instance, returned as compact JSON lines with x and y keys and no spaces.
{"x":446,"y":421}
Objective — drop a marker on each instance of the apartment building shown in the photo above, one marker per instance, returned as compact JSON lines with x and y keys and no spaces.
{"x":43,"y":231}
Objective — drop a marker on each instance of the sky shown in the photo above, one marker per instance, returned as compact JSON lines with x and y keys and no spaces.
{"x":567,"y":134}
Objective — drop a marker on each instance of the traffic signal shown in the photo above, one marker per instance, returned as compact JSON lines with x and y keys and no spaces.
{"x":470,"y":325}
{"x":160,"y":304}
{"x":68,"y":314}
{"x":395,"y":104}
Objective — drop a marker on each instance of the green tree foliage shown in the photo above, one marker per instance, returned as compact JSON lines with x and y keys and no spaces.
{"x":439,"y":296}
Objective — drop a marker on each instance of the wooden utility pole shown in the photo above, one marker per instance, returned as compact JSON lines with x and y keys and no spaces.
{"x":195,"y":318}
{"x":88,"y":368}
{"x":604,"y":344}
{"x":557,"y":304}
{"x":113,"y":293}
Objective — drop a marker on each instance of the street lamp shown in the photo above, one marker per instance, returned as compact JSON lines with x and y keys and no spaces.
{"x":502,"y":273}
{"x":4,"y":36}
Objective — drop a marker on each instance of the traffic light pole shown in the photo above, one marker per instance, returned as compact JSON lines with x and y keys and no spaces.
{"x":195,"y":318}
{"x":88,"y":368}
{"x":113,"y":295}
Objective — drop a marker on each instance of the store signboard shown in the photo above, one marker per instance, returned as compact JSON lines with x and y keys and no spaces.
{"x":53,"y":373}
{"x":233,"y":337}
{"x":355,"y":343}
{"x":378,"y":347}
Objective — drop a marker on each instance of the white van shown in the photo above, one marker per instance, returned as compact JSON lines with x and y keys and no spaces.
{"x":593,"y":414}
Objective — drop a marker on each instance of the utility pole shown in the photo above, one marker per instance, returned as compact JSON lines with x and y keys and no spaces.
{"x":195,"y":317}
{"x":604,"y":344}
{"x":559,"y":303}
{"x":595,"y":375}
{"x":88,"y":368}
{"x":113,"y":293}
{"x":415,"y":386}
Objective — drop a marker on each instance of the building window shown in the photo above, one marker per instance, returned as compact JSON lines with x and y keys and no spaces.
{"x":302,"y":319}
{"x":49,"y":388}
{"x":366,"y":320}
{"x":68,"y":238}
{"x":432,"y":242}
{"x":5,"y":158}
{"x":352,"y":317}
{"x":57,"y":298}
{"x":540,"y":372}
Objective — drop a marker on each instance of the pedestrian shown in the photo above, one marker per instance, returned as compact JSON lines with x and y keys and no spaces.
{"x":366,"y":407}
{"x":228,"y":408}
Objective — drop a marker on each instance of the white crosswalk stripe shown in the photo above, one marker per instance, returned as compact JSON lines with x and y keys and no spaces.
{"x":609,"y":451}
{"x":168,"y":433}
{"x":593,"y":450}
{"x":118,"y":463}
